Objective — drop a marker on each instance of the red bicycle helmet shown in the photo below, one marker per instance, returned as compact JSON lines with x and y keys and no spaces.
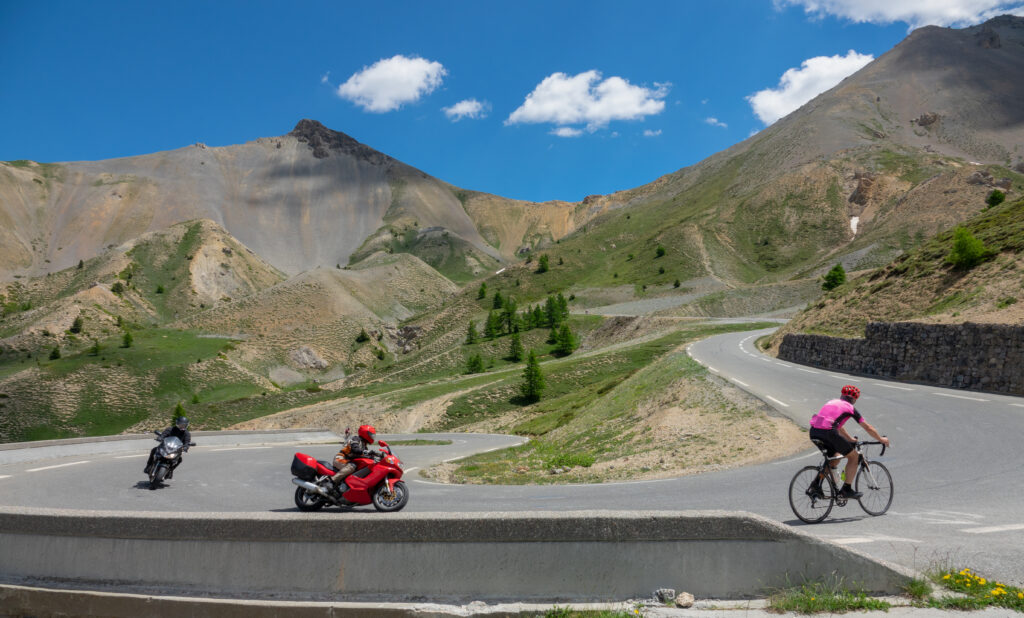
{"x":851,"y":391}
{"x":368,"y":433}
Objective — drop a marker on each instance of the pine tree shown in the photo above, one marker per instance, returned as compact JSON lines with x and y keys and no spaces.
{"x":81,"y":264}
{"x":551,"y":311}
{"x":539,"y":319}
{"x":660,"y":251}
{"x":94,"y":350}
{"x":492,"y":328}
{"x":471,"y":334}
{"x":510,"y":317}
{"x":126,"y":340}
{"x":499,"y":302}
{"x":563,"y":307}
{"x":76,"y":326}
{"x":482,"y":292}
{"x":542,"y":264}
{"x":566,"y":342}
{"x":515,"y":352}
{"x":835,"y":278}
{"x":55,"y":353}
{"x":475,"y":364}
{"x":362,"y":337}
{"x":533,"y":385}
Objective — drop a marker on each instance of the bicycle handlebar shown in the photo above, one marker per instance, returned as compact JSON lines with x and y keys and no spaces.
{"x":861,"y":443}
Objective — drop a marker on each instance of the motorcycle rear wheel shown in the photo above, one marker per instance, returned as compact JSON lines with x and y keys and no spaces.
{"x":307,"y":501}
{"x":388,"y":501}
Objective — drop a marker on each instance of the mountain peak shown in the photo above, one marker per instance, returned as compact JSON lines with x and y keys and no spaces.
{"x":322,"y":141}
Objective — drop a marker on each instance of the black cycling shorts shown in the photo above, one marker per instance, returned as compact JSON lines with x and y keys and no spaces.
{"x":834,"y":442}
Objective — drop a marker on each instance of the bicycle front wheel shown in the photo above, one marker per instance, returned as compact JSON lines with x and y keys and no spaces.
{"x":810,"y":499}
{"x":875,"y":482}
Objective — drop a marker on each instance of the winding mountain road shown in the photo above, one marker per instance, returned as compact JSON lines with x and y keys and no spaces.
{"x":958,"y":497}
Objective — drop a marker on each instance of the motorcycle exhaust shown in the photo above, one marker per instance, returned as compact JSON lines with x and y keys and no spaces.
{"x":310,"y":487}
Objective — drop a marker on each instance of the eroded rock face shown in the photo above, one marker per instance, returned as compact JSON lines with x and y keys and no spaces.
{"x":322,"y":141}
{"x":865,"y":182}
{"x":988,"y":38}
{"x":980,"y":177}
{"x":307,"y":358}
{"x":926,"y":119}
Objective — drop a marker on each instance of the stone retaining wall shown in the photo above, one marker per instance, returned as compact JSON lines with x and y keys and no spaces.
{"x":987,"y":357}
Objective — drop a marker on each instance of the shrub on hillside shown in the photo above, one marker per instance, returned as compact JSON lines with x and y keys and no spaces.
{"x":967,"y":250}
{"x":835,"y":278}
{"x":995,"y":198}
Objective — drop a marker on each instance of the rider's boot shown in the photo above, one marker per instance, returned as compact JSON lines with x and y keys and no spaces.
{"x":339,"y":483}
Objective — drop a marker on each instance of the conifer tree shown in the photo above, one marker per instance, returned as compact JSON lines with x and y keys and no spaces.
{"x":510,"y":317}
{"x":499,"y":302}
{"x":533,"y":385}
{"x":482,"y":292}
{"x":492,"y":328}
{"x":126,"y":340}
{"x":471,"y":335}
{"x":515,"y":352}
{"x":475,"y":364}
{"x":76,"y":326}
{"x":835,"y":278}
{"x":566,"y":341}
{"x":542,"y":264}
{"x":55,"y":353}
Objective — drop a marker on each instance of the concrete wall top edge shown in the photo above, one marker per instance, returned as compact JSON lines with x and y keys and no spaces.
{"x":399,"y":527}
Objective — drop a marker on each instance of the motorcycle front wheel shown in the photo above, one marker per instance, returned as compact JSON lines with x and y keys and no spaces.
{"x":307,"y":501}
{"x":158,"y":476}
{"x":390,"y":501}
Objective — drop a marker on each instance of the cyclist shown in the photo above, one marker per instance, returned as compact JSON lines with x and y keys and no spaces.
{"x":827,"y":427}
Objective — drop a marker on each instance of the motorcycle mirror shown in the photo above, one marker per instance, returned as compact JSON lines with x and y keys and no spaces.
{"x":382,"y":443}
{"x":156,"y":432}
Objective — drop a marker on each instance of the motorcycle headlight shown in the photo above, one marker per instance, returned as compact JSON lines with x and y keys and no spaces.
{"x":171,"y":455}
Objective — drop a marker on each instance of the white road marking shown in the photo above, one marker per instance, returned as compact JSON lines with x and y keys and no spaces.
{"x":807,"y":370}
{"x":788,"y":461}
{"x":1017,"y":405}
{"x":411,"y":469}
{"x":782,"y":364}
{"x":5,"y":476}
{"x":710,"y":368}
{"x":853,"y":540}
{"x":960,"y":397}
{"x":740,"y":383}
{"x":988,"y":529}
{"x":135,"y":456}
{"x":73,"y":463}
{"x":240,"y":448}
{"x":899,"y":388}
{"x":785,"y":405}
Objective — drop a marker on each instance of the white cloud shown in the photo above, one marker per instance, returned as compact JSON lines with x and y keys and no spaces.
{"x":798,"y":86}
{"x":566,"y":132}
{"x":391,"y":82}
{"x":915,"y":13}
{"x":651,"y":133}
{"x":326,"y":77}
{"x":469,"y":108}
{"x":715,"y":122}
{"x":586,"y":99}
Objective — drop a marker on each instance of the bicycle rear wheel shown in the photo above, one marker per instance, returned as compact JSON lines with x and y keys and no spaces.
{"x":875,"y":482}
{"x":808,"y":507}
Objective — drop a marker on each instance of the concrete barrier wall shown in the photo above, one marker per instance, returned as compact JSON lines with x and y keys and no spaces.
{"x":551,"y":557}
{"x":984,"y":357}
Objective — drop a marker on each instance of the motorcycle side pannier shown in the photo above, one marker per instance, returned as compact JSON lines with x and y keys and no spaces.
{"x":304,"y":467}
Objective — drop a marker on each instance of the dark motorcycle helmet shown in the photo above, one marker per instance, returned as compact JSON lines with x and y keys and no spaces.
{"x":181,"y":423}
{"x":368,"y":433}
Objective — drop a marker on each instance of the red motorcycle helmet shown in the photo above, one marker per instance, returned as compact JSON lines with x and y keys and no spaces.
{"x":367,"y":433}
{"x":851,"y":391}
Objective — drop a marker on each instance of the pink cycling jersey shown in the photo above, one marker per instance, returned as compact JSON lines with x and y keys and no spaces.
{"x":834,"y":413}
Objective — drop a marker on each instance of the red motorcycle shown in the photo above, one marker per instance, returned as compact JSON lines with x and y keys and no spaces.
{"x":377,"y":480}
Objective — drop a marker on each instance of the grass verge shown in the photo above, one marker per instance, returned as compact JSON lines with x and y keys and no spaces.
{"x":823,"y":597}
{"x":974,"y":592}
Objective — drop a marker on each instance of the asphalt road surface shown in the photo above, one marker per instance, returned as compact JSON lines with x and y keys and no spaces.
{"x":957,"y":475}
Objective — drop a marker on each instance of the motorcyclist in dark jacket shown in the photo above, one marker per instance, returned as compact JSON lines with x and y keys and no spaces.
{"x":180,"y":431}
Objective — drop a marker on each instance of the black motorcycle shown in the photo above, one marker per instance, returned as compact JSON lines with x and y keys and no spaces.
{"x":168,"y":457}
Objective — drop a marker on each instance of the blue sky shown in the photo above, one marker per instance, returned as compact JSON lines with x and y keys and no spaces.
{"x":532,"y":100}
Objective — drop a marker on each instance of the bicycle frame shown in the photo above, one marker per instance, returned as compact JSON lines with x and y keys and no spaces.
{"x":826,"y":470}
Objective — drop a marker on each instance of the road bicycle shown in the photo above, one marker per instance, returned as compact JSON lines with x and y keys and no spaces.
{"x":812,"y":500}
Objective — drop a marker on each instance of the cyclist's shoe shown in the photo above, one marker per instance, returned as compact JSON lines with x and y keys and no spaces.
{"x":849,"y":493}
{"x":815,"y":492}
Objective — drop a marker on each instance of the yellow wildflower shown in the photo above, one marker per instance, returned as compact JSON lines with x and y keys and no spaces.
{"x":946,"y":576}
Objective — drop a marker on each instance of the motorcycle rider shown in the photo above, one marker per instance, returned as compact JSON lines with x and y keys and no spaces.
{"x":354,"y":447}
{"x":178,"y":430}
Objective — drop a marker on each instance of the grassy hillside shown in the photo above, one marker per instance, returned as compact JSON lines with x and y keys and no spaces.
{"x":923,"y":285}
